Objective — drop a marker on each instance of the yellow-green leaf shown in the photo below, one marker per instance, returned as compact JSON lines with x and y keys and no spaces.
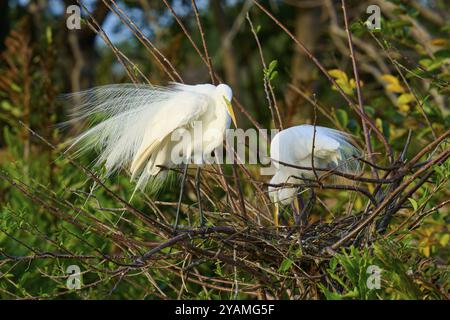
{"x":338,"y":74}
{"x":392,"y":83}
{"x":444,"y":240}
{"x":404,"y":107}
{"x":405,"y":99}
{"x":413,"y":203}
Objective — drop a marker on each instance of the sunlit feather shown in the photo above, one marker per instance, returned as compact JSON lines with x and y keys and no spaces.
{"x":130,"y":126}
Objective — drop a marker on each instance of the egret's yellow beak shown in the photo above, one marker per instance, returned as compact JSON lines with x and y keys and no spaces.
{"x":296,"y":205}
{"x":276,"y":212}
{"x":230,"y":111}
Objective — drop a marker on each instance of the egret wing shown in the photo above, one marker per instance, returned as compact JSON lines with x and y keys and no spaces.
{"x":128,"y":122}
{"x":294,"y":145}
{"x":176,"y":113}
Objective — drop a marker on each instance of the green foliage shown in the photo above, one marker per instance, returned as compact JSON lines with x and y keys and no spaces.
{"x":404,"y":274}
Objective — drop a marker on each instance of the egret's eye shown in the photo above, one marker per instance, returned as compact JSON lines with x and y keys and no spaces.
{"x":230,"y":110}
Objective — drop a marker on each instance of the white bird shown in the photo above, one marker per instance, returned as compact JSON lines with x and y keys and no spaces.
{"x":137,"y":123}
{"x":293,"y":146}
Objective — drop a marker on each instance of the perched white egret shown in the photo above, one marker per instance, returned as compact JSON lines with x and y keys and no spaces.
{"x":137,"y":121}
{"x":294,"y":146}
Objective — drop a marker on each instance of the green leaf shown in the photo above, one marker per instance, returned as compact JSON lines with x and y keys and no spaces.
{"x":442,"y":54}
{"x":273,"y":75}
{"x":285,"y":265}
{"x":6,"y":105}
{"x":16,"y":88}
{"x":333,"y":264}
{"x":49,"y":35}
{"x":342,"y":117}
{"x":272,"y":65}
{"x":413,"y":203}
{"x":369,"y":110}
{"x":219,"y":270}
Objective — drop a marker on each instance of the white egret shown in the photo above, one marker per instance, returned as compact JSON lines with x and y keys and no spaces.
{"x":294,"y":146}
{"x":137,"y":121}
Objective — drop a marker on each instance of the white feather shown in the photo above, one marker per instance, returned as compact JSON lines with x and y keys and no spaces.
{"x":130,"y":125}
{"x":332,"y":148}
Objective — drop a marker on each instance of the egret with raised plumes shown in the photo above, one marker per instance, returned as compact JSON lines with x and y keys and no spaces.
{"x":137,"y":123}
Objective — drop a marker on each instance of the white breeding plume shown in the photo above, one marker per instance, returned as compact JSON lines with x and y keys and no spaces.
{"x":131,"y":125}
{"x":332,"y":149}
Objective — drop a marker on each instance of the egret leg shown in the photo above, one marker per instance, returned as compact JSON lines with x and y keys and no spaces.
{"x":304,"y":215}
{"x":197,"y":189}
{"x":177,"y":217}
{"x":276,"y":213}
{"x":297,"y":209}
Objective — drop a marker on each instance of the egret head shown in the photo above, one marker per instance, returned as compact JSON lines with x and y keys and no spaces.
{"x":226,"y":93}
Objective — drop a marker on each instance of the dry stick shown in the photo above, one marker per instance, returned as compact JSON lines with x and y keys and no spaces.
{"x":319,"y":107}
{"x":416,"y":98}
{"x":430,"y":146}
{"x":265,"y":199}
{"x":211,"y":72}
{"x":250,"y":177}
{"x":211,"y":285}
{"x":412,"y":190}
{"x":98,"y":29}
{"x":208,"y":62}
{"x":229,"y":190}
{"x":423,"y":214}
{"x":440,"y":158}
{"x":55,"y":255}
{"x":358,"y":89}
{"x":398,"y":228}
{"x":247,"y":114}
{"x":400,"y":159}
{"x":213,"y":279}
{"x":324,"y":71}
{"x":376,"y":166}
{"x":116,"y":51}
{"x":55,"y":211}
{"x":314,"y":144}
{"x":339,"y":173}
{"x":166,"y":244}
{"x":199,"y":195}
{"x":205,"y":47}
{"x":94,"y":177}
{"x":96,"y":249}
{"x":239,"y":188}
{"x":41,"y":235}
{"x":99,"y":225}
{"x":240,"y":193}
{"x":180,"y":23}
{"x":334,"y":171}
{"x":267,"y":85}
{"x":314,"y":184}
{"x":145,"y":41}
{"x":116,"y":234}
{"x":135,"y":66}
{"x":229,"y":260}
{"x":177,"y":19}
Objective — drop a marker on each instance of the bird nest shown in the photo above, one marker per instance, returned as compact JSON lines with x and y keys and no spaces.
{"x":239,"y":234}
